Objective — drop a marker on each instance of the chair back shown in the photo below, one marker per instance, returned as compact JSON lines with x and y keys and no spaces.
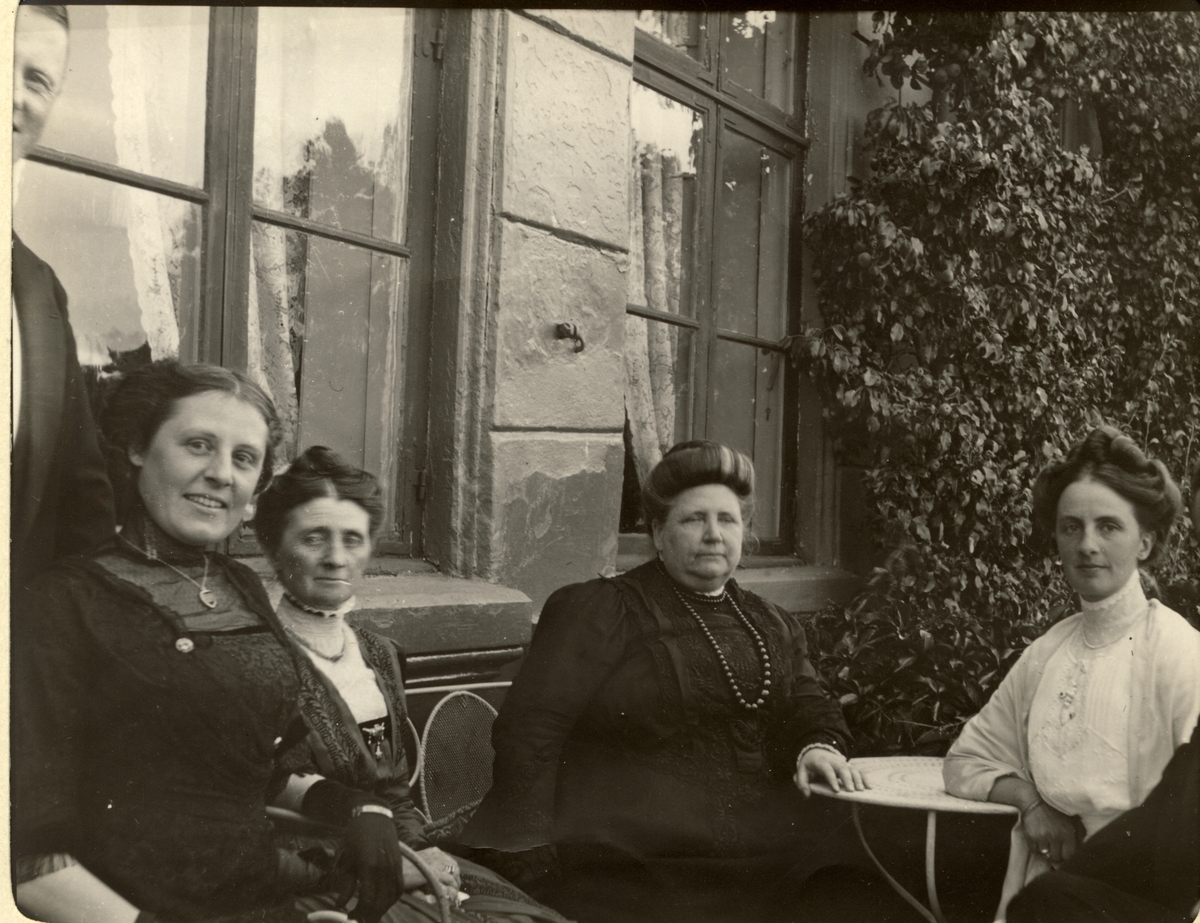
{"x":457,"y":770}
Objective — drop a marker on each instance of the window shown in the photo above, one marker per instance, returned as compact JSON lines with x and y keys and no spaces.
{"x":232,"y":185}
{"x":715,"y":172}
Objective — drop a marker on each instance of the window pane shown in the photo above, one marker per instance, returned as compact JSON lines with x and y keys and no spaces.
{"x":331,"y":116}
{"x":680,"y":30}
{"x":129,"y":260}
{"x":323,"y":317}
{"x":662,"y":201}
{"x":134,"y":94}
{"x":751,"y":252}
{"x":745,"y":410}
{"x":658,"y":401}
{"x":758,"y":54}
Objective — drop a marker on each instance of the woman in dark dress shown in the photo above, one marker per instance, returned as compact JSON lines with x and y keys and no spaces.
{"x":664,"y":726}
{"x":317,"y":523}
{"x":152,"y":682}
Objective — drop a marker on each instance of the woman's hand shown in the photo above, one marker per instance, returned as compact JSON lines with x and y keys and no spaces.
{"x":370,"y":862}
{"x":1049,"y":833}
{"x":820,"y":765}
{"x":444,"y":866}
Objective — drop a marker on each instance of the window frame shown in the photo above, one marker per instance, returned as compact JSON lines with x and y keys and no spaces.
{"x":228,"y":213}
{"x":725,"y":107}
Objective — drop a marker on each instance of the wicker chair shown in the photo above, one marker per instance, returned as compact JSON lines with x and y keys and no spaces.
{"x":457,"y":770}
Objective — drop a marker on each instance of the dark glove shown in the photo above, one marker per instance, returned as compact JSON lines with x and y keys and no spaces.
{"x":369,"y":862}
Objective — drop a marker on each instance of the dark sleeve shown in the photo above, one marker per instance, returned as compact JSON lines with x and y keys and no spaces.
{"x":1153,"y":851}
{"x":581,"y":637}
{"x":85,"y":507}
{"x":51,"y":678}
{"x":808,"y":715}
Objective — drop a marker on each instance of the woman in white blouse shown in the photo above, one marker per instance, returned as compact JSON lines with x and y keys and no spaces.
{"x":1081,"y":728}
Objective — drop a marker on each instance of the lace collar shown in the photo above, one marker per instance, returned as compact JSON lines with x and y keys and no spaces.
{"x":1106,"y":619}
{"x":316,"y":626}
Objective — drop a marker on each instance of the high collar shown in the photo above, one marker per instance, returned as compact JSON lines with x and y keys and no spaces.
{"x":316,"y":626}
{"x":1121,"y":608}
{"x":141,"y":531}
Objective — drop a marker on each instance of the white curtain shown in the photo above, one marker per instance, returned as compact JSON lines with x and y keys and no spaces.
{"x":655,"y":222}
{"x":155,"y":223}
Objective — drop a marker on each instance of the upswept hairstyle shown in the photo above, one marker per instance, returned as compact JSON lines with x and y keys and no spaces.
{"x":694,"y":464}
{"x":317,"y":472}
{"x":1109,"y":457}
{"x":145,"y":399}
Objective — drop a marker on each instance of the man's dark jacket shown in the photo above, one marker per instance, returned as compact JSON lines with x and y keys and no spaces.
{"x":61,"y":499}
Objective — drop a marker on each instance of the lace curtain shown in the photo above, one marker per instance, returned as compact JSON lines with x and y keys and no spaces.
{"x":655,"y":221}
{"x":155,"y":224}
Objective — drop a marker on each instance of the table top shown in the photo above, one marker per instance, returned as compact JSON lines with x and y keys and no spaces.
{"x":909,"y":782}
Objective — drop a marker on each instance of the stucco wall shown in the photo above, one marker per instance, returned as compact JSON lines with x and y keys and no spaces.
{"x":553,"y":455}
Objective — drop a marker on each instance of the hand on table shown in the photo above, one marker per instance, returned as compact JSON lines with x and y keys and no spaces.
{"x":820,"y":765}
{"x":1050,"y":833}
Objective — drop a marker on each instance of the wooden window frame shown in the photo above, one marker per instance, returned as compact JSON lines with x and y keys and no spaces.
{"x":698,"y":84}
{"x":228,"y":211}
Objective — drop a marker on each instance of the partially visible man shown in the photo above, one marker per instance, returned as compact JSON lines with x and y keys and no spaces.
{"x":61,"y":499}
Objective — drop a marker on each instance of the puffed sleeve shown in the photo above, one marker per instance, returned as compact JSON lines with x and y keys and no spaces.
{"x":991,"y":744}
{"x":582,"y":636}
{"x":808,"y":714}
{"x":51,"y":678}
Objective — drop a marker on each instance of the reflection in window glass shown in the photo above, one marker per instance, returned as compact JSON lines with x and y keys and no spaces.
{"x":331,"y":116}
{"x":758,"y":54}
{"x":678,"y":29}
{"x":658,"y":402}
{"x":320,"y":316}
{"x":128,"y":259}
{"x":134,"y":95}
{"x":745,"y":410}
{"x":752,"y":236}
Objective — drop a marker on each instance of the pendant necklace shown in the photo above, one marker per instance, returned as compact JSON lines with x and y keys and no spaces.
{"x":204,"y":594}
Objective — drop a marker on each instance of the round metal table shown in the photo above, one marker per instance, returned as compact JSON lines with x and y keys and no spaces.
{"x":909,"y":782}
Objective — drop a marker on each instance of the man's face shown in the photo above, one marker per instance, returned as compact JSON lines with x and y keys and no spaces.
{"x":39,"y":65}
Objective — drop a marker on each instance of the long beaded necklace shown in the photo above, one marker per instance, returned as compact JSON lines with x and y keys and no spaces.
{"x":764,"y":657}
{"x":204,"y":594}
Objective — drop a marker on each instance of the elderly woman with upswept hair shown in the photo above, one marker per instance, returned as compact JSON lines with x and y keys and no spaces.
{"x":1083,"y":725}
{"x":666,"y":725}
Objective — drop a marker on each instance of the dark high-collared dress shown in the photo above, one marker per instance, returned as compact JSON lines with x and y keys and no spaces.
{"x":144,"y":731}
{"x":622,"y":744}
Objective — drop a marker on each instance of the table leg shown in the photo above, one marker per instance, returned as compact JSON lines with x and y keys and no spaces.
{"x":896,"y":886}
{"x":930,"y":844}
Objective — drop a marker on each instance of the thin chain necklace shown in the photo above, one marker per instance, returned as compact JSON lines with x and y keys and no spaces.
{"x":307,"y":645}
{"x":764,"y":657}
{"x":204,"y":594}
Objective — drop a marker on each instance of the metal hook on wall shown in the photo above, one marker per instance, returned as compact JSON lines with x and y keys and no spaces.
{"x":568,"y":331}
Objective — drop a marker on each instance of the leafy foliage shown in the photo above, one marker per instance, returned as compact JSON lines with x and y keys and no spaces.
{"x":989,"y":295}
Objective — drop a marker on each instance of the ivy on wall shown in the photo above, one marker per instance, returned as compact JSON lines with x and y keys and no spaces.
{"x":988,"y":295}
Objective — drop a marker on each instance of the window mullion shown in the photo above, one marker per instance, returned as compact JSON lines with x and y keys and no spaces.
{"x":229,"y":150}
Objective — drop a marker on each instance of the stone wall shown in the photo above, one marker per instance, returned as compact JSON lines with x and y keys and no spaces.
{"x":553,"y":453}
